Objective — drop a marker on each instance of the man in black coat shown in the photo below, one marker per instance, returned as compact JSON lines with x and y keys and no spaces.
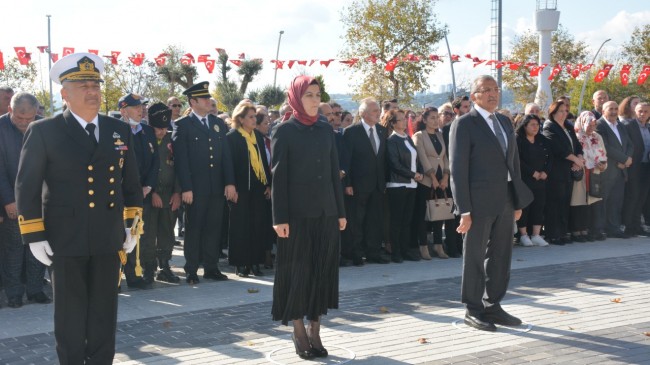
{"x":145,"y":146}
{"x":204,"y":168}
{"x":619,"y":158}
{"x":489,"y":196}
{"x":77,"y":189}
{"x":637,"y":187}
{"x":365,"y":182}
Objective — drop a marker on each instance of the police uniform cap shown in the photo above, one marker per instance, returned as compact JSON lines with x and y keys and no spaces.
{"x":159,"y":116}
{"x":199,"y":90}
{"x":77,"y":67}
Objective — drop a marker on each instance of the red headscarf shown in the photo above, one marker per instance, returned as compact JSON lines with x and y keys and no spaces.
{"x":297,"y":89}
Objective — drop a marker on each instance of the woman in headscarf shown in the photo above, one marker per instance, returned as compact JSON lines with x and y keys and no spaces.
{"x":248,"y":213}
{"x":587,"y":211}
{"x":308,"y":214}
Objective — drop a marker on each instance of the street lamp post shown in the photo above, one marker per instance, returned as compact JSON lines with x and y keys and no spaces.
{"x":584,"y":83}
{"x":49,"y":63}
{"x":277,"y":54}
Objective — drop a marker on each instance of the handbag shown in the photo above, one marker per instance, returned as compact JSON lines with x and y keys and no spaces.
{"x":439,"y":209}
{"x":577,"y":175}
{"x":595,"y":184}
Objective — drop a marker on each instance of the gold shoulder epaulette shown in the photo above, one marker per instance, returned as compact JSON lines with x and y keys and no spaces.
{"x":30,"y":226}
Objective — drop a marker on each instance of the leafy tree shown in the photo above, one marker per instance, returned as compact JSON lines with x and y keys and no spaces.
{"x":228,"y":94}
{"x":324,"y":96}
{"x":637,"y":49}
{"x":177,"y":75}
{"x":43,"y":98}
{"x":19,"y":77}
{"x":391,"y":29}
{"x":525,"y":48}
{"x":248,"y":70}
{"x":268,"y":95}
{"x":112,"y":91}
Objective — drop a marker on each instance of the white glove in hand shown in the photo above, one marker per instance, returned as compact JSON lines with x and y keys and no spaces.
{"x":129,"y":242}
{"x":42,"y":251}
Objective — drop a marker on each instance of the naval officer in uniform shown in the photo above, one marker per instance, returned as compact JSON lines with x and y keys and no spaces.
{"x":77,"y":192}
{"x":204,"y":168}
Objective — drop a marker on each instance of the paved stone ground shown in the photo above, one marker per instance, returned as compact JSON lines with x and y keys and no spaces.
{"x":585,"y":303}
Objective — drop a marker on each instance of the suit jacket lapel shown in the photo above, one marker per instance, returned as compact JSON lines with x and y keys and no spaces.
{"x":105,"y":139}
{"x":482,"y":125}
{"x":77,"y":133}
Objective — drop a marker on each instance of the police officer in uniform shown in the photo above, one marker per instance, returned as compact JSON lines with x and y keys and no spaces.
{"x":204,"y":169}
{"x":146,"y":154}
{"x":77,"y":190}
{"x":166,"y":199}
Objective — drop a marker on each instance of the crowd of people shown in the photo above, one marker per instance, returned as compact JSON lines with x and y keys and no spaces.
{"x":244,"y":181}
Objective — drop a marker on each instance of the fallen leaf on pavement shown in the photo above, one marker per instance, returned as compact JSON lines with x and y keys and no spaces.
{"x":422,"y":340}
{"x":253,"y":290}
{"x":616,"y":300}
{"x":383,"y":310}
{"x":571,"y":328}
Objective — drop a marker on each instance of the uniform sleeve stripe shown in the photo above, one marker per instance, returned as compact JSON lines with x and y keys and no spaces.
{"x":131,"y":212}
{"x":30,"y":226}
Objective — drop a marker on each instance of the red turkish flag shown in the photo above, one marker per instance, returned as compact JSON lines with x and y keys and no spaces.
{"x":55,"y":57}
{"x":187,"y":57}
{"x":455,"y":58}
{"x":279,"y":64}
{"x":390,"y":65}
{"x":434,"y":57}
{"x":236,"y":62}
{"x":202,"y":58}
{"x":625,"y":74}
{"x":137,"y":59}
{"x":586,"y":68}
{"x":42,"y":49}
{"x":500,"y":64}
{"x":93,"y":51}
{"x":513,"y":65}
{"x":372,"y":58}
{"x":114,"y":55}
{"x":304,"y":63}
{"x":164,"y":55}
{"x":20,"y":52}
{"x":242,"y":56}
{"x":350,"y":62}
{"x":209,"y":65}
{"x":576,"y":70}
{"x":556,"y":71}
{"x":2,"y":61}
{"x":412,"y":58}
{"x":468,"y":56}
{"x":160,"y":61}
{"x":477,"y":61}
{"x":326,"y":62}
{"x":643,"y":75}
{"x":68,"y":51}
{"x":220,"y":51}
{"x":534,"y":71}
{"x":290,"y":64}
{"x":603,"y":73}
{"x":312,"y":62}
{"x":568,"y":67}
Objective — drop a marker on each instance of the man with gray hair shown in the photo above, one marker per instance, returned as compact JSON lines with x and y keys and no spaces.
{"x":15,"y":259}
{"x":365,"y":182}
{"x":599,"y":99}
{"x":532,"y":108}
{"x":5,"y":97}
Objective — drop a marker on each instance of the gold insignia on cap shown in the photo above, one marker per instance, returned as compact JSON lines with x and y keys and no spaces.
{"x":205,"y":86}
{"x":85,"y":71}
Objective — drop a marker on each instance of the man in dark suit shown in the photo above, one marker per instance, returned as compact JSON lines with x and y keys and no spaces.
{"x":637,"y":187}
{"x":77,"y":189}
{"x":619,"y":158}
{"x":204,"y":169}
{"x":489,"y":195}
{"x":146,"y":155}
{"x":460,"y":106}
{"x":365,"y":182}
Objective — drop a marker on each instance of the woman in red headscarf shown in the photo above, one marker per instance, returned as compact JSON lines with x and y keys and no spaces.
{"x":308,"y":214}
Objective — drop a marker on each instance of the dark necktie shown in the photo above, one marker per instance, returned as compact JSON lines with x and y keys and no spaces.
{"x":371,"y":135}
{"x":91,"y":133}
{"x":205,"y":122}
{"x":497,"y":132}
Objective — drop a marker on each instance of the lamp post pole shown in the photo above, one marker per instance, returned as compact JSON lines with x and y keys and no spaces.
{"x":49,"y":63}
{"x":584,"y":83}
{"x":277,"y":54}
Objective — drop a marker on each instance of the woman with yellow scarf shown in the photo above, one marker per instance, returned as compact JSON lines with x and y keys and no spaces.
{"x":248,"y":213}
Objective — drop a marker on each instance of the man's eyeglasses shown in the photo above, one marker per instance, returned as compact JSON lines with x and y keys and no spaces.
{"x":176,"y":105}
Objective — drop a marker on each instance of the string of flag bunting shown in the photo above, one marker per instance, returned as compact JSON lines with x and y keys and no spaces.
{"x":534,"y":69}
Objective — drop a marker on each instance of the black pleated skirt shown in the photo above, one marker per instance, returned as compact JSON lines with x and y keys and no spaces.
{"x":307,"y":275}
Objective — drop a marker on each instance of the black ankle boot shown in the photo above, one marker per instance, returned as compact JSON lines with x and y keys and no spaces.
{"x":165,"y":274}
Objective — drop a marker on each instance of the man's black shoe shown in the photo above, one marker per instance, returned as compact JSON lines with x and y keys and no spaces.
{"x":139,"y":283}
{"x":617,"y":234}
{"x":377,"y":259}
{"x":40,"y":298}
{"x":357,"y":261}
{"x":501,"y":317}
{"x":397,"y":259}
{"x":16,"y":302}
{"x":411,"y":256}
{"x":479,"y":323}
{"x":192,"y":279}
{"x":215,"y":275}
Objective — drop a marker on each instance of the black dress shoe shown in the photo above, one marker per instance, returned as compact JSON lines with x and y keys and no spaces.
{"x":318,"y":352}
{"x":357,"y":261}
{"x":139,"y":283}
{"x":242,"y":271}
{"x":39,"y":297}
{"x":616,"y":234}
{"x":377,"y":259}
{"x":479,"y":323}
{"x":192,"y":279}
{"x":502,"y":317}
{"x":303,"y":354}
{"x":256,"y":270}
{"x":556,"y":241}
{"x":579,"y":238}
{"x":215,"y":275}
{"x":410,"y":256}
{"x":397,"y":259}
{"x":16,"y":302}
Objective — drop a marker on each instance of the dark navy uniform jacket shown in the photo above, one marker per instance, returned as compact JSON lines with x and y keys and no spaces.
{"x":145,"y":146}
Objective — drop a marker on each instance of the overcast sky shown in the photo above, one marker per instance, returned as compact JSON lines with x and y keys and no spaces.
{"x":312,"y":30}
